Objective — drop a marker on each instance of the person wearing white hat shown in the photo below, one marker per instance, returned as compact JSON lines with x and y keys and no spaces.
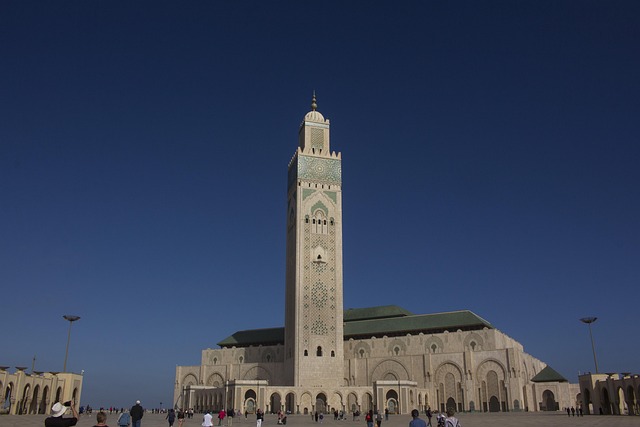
{"x":57,"y":411}
{"x":136,"y":413}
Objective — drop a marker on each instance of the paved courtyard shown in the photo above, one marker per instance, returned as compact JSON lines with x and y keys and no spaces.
{"x":520,"y":419}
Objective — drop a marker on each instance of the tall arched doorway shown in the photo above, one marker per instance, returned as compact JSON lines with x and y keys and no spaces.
{"x":250,"y":402}
{"x":392,"y":401}
{"x":549,"y":401}
{"x":321,"y":403}
{"x":606,"y":402}
{"x":274,"y":403}
{"x":494,"y":404}
{"x":290,"y":403}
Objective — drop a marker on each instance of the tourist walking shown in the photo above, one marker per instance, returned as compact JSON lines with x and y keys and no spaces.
{"x":180,"y":417}
{"x":101,"y":418}
{"x":136,"y":413}
{"x":369,"y":418}
{"x":57,"y":411}
{"x":451,"y":421}
{"x":429,"y":415}
{"x":124,"y":419}
{"x":171,"y":417}
{"x":416,"y":421}
{"x":206,"y":420}
{"x":221,"y":416}
{"x":259,"y":417}
{"x":378,"y":419}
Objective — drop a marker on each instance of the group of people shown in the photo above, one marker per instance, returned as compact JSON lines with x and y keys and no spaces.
{"x":134,"y":416}
{"x":443,"y":421}
{"x":573,"y":411}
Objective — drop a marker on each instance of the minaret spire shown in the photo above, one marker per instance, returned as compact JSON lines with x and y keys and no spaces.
{"x":313,"y":102}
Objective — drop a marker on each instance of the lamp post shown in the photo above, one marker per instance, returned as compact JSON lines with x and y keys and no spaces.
{"x":71,"y":319}
{"x":589,"y":321}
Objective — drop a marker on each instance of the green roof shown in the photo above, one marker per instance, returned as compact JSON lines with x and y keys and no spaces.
{"x":548,"y":375}
{"x":425,"y":323}
{"x":269,"y":336}
{"x":359,"y":323}
{"x":383,"y":311}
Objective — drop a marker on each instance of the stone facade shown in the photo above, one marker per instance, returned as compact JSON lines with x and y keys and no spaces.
{"x":610,"y":394}
{"x":383,"y":357}
{"x":35,"y":393}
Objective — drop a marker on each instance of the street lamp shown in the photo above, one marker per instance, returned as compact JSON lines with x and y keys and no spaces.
{"x":589,"y":321}
{"x":71,"y":319}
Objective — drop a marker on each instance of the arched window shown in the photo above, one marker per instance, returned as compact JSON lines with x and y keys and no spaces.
{"x":473,"y":345}
{"x":333,"y":353}
{"x":306,"y":353}
{"x":434,"y":348}
{"x":320,"y":221}
{"x":319,"y":351}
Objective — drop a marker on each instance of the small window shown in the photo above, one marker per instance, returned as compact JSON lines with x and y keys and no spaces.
{"x":396,"y":350}
{"x":319,"y":351}
{"x":215,"y":360}
{"x":473,"y":345}
{"x":333,"y":353}
{"x":240,"y":359}
{"x":434,"y":348}
{"x":306,"y":353}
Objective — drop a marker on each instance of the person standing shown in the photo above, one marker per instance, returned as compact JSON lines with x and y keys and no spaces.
{"x":221,"y":416}
{"x":230,"y":414}
{"x":386,"y":414}
{"x":124,"y":419}
{"x":136,"y":413}
{"x":429,"y":415}
{"x":378,"y":419}
{"x":206,"y":420}
{"x":369,"y":418}
{"x":171,"y":416}
{"x":451,"y":421}
{"x":57,"y":411}
{"x":101,"y":418}
{"x":416,"y":420}
{"x":259,"y":417}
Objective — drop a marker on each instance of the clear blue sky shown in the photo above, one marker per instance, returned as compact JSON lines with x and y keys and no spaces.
{"x":490,"y":162}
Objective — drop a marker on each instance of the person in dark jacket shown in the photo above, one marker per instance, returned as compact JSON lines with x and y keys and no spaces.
{"x":136,"y":413}
{"x":57,"y":411}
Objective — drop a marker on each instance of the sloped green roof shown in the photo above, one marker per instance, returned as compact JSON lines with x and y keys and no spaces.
{"x":383,"y":311}
{"x":425,"y":323}
{"x":548,"y":375}
{"x":269,"y":336}
{"x":398,"y":321}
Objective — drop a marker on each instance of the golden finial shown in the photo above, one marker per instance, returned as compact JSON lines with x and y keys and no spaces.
{"x":313,"y":102}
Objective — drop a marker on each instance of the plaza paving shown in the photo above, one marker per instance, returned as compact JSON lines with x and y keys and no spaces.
{"x":515,"y":419}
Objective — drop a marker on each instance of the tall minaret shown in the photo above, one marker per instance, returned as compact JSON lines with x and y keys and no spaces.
{"x":313,"y":308}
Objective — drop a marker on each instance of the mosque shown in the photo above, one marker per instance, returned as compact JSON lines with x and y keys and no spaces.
{"x":326,"y":358}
